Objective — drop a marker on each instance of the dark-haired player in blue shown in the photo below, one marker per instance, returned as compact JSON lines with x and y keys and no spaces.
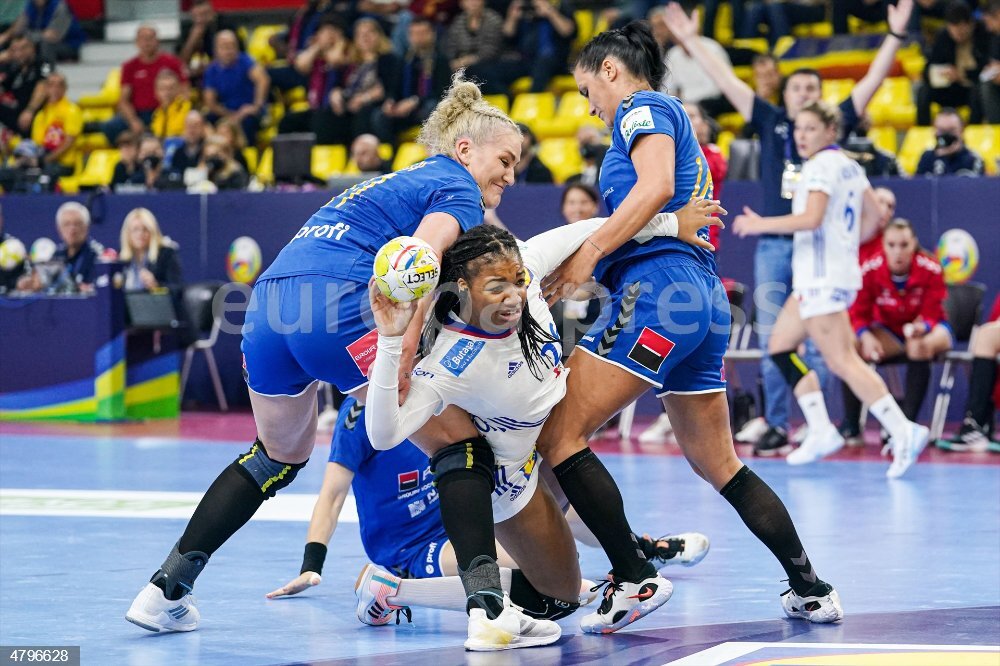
{"x":669,"y":331}
{"x":307,"y":322}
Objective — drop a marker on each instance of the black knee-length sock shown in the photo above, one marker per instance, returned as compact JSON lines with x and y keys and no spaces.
{"x":918,"y":378}
{"x":983,"y":376}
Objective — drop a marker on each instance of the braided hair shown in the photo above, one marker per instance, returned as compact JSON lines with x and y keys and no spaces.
{"x":474,"y":250}
{"x":633,"y":46}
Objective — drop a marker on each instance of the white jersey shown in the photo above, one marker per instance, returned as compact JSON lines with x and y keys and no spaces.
{"x":828,"y":256}
{"x":485,"y":374}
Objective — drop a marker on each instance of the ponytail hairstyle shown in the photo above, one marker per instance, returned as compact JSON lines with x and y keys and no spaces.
{"x":463,"y":112}
{"x":466,"y":258}
{"x":633,"y":46}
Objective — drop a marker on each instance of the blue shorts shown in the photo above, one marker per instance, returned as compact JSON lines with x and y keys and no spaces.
{"x":670,"y":326}
{"x":423,"y":561}
{"x":304,"y":328}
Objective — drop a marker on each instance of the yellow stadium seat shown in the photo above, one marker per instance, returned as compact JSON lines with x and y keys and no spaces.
{"x":384,"y":151}
{"x":297,"y":99}
{"x":731,"y":121}
{"x":572,"y":111}
{"x":725,"y":138}
{"x":328,"y":160}
{"x":109,"y":94}
{"x":563,"y":83}
{"x":499,"y":101}
{"x":584,"y":27}
{"x":836,"y":91}
{"x":756,"y":44}
{"x":521,"y":85}
{"x":893,"y":104}
{"x":917,"y":140}
{"x":984,"y":140}
{"x":857,"y":26}
{"x":97,"y":114}
{"x":561,"y":156}
{"x":252,"y":157}
{"x":99,"y":169}
{"x":93,"y":141}
{"x":723,"y":24}
{"x":408,"y":153}
{"x":258,"y":47}
{"x":529,"y":107}
{"x":822,"y":29}
{"x":265,"y":168}
{"x":884,"y":138}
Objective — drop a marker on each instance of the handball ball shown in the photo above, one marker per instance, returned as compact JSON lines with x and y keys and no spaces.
{"x":958,"y":254}
{"x":12,"y":254}
{"x":244,"y":260}
{"x":406,"y":268}
{"x":42,"y":250}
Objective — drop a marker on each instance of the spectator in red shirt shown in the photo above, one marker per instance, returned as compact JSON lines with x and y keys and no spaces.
{"x":887,"y":202}
{"x":977,"y":432}
{"x":706,"y":130}
{"x":138,"y":97}
{"x":899,"y":312}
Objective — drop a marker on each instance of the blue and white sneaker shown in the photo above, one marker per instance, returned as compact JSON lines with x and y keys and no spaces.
{"x":906,"y":452}
{"x":151,"y":610}
{"x":625,"y":602}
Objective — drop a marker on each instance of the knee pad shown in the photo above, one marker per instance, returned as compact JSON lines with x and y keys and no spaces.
{"x":792,"y":368}
{"x":473,"y":455}
{"x":269,"y":474}
{"x":534,"y":603}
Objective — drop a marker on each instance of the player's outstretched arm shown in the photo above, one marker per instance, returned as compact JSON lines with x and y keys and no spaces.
{"x":325,"y":515}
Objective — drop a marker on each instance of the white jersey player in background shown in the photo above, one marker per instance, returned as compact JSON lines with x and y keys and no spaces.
{"x":833,"y":208}
{"x":500,"y":362}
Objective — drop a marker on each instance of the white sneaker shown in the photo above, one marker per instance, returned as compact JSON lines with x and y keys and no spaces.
{"x":625,"y":602}
{"x":822,"y":607}
{"x":906,"y":452}
{"x":373,"y":587}
{"x":153,"y":611}
{"x":658,"y":431}
{"x":588,"y":592}
{"x":510,"y":630}
{"x":800,"y":434}
{"x":815,"y":446}
{"x":753,"y":430}
{"x":686,"y":549}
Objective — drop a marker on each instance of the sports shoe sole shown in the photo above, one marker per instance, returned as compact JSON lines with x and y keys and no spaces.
{"x":642,"y":609}
{"x":150,"y":624}
{"x":830,"y":613}
{"x":517,"y":642}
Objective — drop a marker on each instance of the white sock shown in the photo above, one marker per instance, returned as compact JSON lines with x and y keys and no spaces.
{"x":888,"y":413}
{"x":814,"y":407}
{"x":444,"y":593}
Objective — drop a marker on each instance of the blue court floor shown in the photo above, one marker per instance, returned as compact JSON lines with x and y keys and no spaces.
{"x":84,"y":521}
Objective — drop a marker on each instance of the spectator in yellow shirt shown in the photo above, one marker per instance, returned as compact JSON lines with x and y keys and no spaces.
{"x":57,"y":126}
{"x":168,"y":118}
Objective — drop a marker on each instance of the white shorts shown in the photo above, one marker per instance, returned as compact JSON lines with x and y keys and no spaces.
{"x":823,"y":301}
{"x":514,"y":486}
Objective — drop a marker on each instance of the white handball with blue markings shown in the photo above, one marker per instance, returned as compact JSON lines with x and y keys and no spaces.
{"x":406,"y":268}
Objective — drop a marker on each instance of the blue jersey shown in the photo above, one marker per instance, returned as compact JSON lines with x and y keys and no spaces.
{"x":653,"y":113}
{"x":340,"y":240}
{"x":394,"y":490}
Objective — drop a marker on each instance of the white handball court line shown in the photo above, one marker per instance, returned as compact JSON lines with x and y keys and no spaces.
{"x":726,"y":652}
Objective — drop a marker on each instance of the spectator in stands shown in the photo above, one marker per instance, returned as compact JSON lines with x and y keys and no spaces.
{"x":397,"y":15}
{"x":56,"y":127}
{"x":364,"y":154}
{"x":767,"y":78}
{"x":157,"y":176}
{"x":21,"y":90}
{"x":77,"y":251}
{"x":780,"y":167}
{"x":151,"y":259}
{"x":712,"y":10}
{"x":989,"y":78}
{"x":235,"y":86}
{"x":977,"y":432}
{"x":129,"y":173}
{"x":188,"y":154}
{"x":50,"y":25}
{"x":958,"y":54}
{"x":876,"y":162}
{"x":173,"y":105}
{"x":530,"y":169}
{"x":475,"y":36}
{"x":899,"y":312}
{"x":138,"y":86}
{"x":950,"y":157}
{"x":323,"y":65}
{"x":870,"y":11}
{"x":366,"y":80}
{"x":196,"y":46}
{"x":592,"y":150}
{"x":9,"y":276}
{"x":299,"y":36}
{"x":685,"y":77}
{"x":707,"y":131}
{"x":887,"y":211}
{"x":420,"y":81}
{"x":780,"y":17}
{"x":232,"y":133}
{"x":25,"y":174}
{"x":540,"y":34}
{"x":222,"y":169}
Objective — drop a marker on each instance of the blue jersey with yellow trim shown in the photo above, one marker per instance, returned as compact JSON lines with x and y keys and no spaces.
{"x":653,"y":113}
{"x":340,"y":240}
{"x":394,"y":490}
